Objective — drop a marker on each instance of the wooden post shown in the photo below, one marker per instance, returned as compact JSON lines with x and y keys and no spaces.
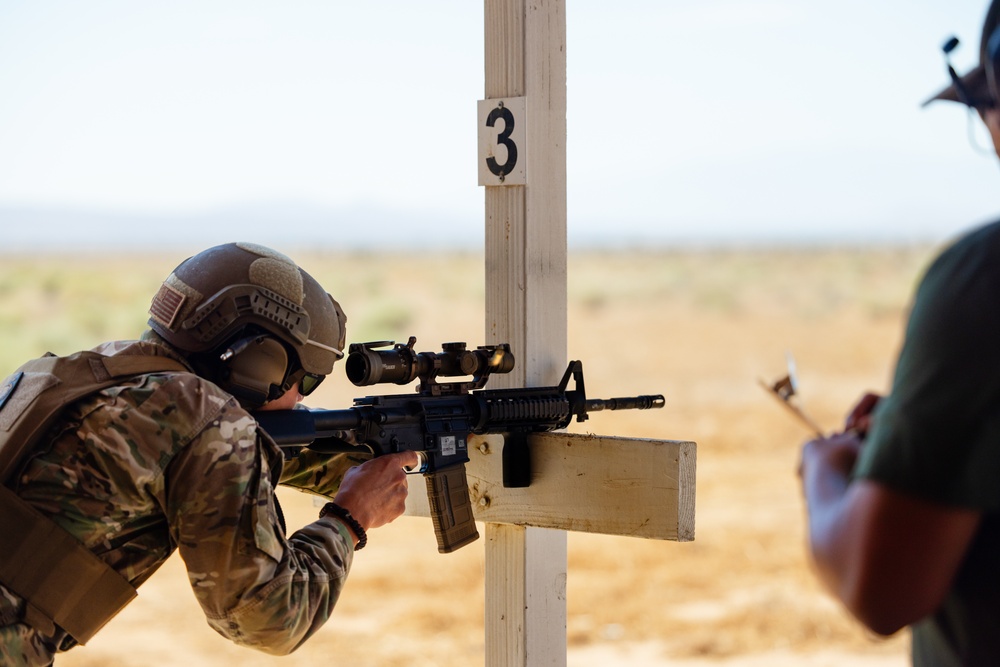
{"x":526,"y":307}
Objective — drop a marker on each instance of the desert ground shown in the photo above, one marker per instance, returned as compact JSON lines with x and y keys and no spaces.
{"x":701,"y":327}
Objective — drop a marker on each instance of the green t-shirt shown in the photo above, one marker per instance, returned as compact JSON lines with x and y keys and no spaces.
{"x":937,"y":436}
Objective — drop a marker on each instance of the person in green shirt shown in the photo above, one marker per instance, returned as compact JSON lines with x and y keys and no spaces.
{"x":904,"y":505}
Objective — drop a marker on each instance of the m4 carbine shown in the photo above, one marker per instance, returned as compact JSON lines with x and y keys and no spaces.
{"x":437,"y":420}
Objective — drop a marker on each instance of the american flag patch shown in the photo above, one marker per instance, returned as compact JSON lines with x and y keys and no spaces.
{"x":8,"y":388}
{"x":166,"y":305}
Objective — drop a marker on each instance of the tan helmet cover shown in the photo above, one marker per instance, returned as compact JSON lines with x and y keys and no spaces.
{"x":216,"y":293}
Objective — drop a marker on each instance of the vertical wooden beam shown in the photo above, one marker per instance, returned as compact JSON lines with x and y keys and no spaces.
{"x":525,"y":44}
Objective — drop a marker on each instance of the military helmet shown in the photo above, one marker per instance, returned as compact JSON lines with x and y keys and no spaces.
{"x":225,"y":299}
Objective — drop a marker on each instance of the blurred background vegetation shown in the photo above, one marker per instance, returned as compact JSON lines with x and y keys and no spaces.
{"x":700,"y":327}
{"x":62,"y":303}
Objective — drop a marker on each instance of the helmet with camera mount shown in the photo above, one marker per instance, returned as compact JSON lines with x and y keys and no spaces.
{"x":250,"y":320}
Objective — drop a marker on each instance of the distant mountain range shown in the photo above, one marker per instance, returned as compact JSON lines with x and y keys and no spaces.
{"x":295,"y":225}
{"x":275,"y":223}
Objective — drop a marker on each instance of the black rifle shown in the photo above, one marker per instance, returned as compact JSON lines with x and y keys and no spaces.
{"x":437,"y":421}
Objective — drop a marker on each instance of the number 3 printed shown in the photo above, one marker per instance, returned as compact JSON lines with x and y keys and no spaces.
{"x":503,"y":139}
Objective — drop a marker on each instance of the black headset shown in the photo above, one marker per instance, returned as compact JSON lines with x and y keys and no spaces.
{"x":992,"y":67}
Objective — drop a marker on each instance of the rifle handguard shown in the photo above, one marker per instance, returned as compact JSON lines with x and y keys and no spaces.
{"x":451,"y":508}
{"x":437,"y":421}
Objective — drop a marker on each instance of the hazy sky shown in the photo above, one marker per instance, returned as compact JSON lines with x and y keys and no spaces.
{"x":714,"y":119}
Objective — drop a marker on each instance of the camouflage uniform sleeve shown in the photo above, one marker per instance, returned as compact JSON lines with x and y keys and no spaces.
{"x":256,"y":586}
{"x":320,"y":474}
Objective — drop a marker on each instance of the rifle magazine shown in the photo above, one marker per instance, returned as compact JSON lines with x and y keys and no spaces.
{"x":451,"y":508}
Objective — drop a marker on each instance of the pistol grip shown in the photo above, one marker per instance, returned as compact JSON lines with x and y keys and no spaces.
{"x":451,"y":508}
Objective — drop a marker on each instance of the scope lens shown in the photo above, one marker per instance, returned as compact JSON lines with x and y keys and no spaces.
{"x":359,"y":369}
{"x":366,"y":366}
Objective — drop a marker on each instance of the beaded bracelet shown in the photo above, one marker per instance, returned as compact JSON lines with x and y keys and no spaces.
{"x":349,"y":520}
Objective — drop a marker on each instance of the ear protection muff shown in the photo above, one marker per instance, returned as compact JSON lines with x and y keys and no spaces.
{"x":254,"y":369}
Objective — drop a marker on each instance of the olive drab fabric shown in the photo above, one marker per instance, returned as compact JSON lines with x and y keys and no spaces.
{"x":38,"y":560}
{"x":168,"y":461}
{"x":33,"y":395}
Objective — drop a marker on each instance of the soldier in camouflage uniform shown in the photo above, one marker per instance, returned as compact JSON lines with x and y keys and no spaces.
{"x":174,"y":460}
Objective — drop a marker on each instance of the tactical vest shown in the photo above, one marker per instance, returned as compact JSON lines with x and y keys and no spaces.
{"x":62,"y":582}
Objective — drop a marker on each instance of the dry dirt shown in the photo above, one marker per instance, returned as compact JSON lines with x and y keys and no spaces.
{"x":699,"y":327}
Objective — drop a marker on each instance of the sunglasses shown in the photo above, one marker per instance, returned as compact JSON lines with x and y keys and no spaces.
{"x":307,"y":381}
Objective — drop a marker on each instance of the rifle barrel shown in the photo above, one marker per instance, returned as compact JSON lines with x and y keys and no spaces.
{"x":646,"y":402}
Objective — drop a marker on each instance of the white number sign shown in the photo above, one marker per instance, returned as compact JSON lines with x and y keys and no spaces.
{"x":502,"y":149}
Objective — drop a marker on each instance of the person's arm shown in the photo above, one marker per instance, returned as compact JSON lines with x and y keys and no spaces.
{"x":320,"y":473}
{"x":375,"y":492}
{"x":258,"y":586}
{"x":889,"y":557}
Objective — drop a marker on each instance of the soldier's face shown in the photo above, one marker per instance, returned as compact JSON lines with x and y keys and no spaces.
{"x":286,"y":401}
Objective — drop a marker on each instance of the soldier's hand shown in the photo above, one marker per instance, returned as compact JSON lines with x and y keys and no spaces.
{"x":375,"y":491}
{"x":860,"y":418}
{"x":837,"y":453}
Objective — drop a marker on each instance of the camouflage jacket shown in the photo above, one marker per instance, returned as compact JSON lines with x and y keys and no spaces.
{"x":169,"y":461}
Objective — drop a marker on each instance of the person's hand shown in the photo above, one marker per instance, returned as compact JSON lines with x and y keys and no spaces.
{"x":837,"y":453}
{"x":375,"y":491}
{"x":860,"y":417}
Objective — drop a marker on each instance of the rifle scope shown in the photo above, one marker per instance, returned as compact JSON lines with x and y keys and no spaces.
{"x":368,"y":365}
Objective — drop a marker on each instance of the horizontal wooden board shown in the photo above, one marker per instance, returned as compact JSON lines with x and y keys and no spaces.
{"x":587,"y":483}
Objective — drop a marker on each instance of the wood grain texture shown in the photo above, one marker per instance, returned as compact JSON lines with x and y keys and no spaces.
{"x":525,"y":56}
{"x":586,"y":483}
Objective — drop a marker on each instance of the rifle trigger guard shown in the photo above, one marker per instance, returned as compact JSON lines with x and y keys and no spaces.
{"x":421,"y":464}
